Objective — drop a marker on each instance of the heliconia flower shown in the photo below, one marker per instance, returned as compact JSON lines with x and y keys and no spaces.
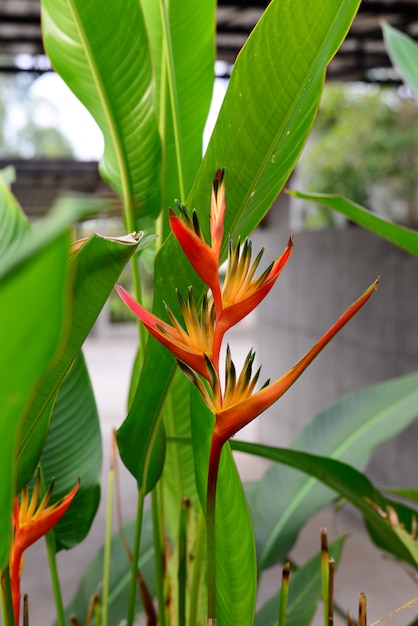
{"x":30,"y":522}
{"x":217,"y":212}
{"x":238,"y":405}
{"x":242,"y":291}
{"x":191,"y":344}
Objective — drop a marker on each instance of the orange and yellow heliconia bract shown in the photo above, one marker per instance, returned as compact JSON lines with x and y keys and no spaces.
{"x":197,"y":343}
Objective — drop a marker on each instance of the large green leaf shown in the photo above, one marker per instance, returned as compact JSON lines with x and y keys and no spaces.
{"x":96,"y":266}
{"x":29,"y":341}
{"x":120,"y":574}
{"x":348,"y":430}
{"x":74,"y":451}
{"x":354,"y":487}
{"x":101,"y":50}
{"x":404,"y":54}
{"x":13,"y":223}
{"x":236,"y":571}
{"x":191,"y":39}
{"x":404,"y":238}
{"x":305,"y":589}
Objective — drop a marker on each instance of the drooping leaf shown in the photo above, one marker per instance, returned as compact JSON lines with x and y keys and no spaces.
{"x":353,"y":486}
{"x":404,"y":238}
{"x":73,"y":451}
{"x":96,"y":265}
{"x":403,"y":51}
{"x":111,"y":74}
{"x":305,"y":590}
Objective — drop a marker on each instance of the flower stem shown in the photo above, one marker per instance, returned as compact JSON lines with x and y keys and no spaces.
{"x":108,"y":535}
{"x":197,"y":569}
{"x":135,"y":557}
{"x":215,"y":455}
{"x":51,"y":551}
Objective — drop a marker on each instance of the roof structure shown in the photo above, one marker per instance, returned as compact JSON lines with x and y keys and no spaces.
{"x":361,"y":57}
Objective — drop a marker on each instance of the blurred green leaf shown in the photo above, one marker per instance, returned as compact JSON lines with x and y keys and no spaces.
{"x":404,"y":54}
{"x":404,"y":238}
{"x":305,"y":589}
{"x":74,"y":450}
{"x":347,"y":430}
{"x":353,"y":486}
{"x":96,"y":266}
{"x":112,"y":76}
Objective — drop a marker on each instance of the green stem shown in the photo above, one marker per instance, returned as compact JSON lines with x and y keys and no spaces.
{"x":158,"y":554}
{"x":197,"y":569}
{"x":215,"y":455}
{"x":284,"y":594}
{"x":52,"y":561}
{"x":171,"y":77}
{"x":135,"y":557}
{"x":108,"y":537}
{"x":6,"y":599}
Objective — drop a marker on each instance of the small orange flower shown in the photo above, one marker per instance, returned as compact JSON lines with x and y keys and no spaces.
{"x":29,"y":523}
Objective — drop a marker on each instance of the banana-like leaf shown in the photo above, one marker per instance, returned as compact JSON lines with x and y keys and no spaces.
{"x":404,"y":54}
{"x":305,"y":589}
{"x":13,"y":223}
{"x":190,"y":33}
{"x":96,"y":265}
{"x":354,"y":487}
{"x":347,"y":430}
{"x":101,"y":51}
{"x":120,"y":575}
{"x":400,"y":236}
{"x":74,"y":451}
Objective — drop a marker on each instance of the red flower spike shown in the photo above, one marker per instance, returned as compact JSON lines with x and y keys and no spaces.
{"x":30,"y":521}
{"x":189,"y":347}
{"x":237,"y":413}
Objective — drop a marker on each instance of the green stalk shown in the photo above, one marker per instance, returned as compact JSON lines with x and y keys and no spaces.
{"x":6,"y":599}
{"x":171,"y":77}
{"x":197,"y":569}
{"x":182,"y":566}
{"x":53,"y":569}
{"x":108,"y":536}
{"x":158,"y":555}
{"x":135,"y":557}
{"x":214,"y":459}
{"x":331,"y":565}
{"x":284,"y":594}
{"x":325,"y":572}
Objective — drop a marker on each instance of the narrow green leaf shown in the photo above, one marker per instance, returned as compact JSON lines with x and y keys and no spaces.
{"x":112,"y":76}
{"x":347,"y":430}
{"x":96,"y":267}
{"x":304,"y":592}
{"x":350,"y":484}
{"x":403,"y":51}
{"x":74,"y":451}
{"x":236,"y":572}
{"x":404,"y":238}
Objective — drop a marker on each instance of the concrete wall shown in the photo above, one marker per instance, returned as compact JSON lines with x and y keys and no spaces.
{"x":329,"y":270}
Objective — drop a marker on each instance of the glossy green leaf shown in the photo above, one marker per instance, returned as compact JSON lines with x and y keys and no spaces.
{"x":403,"y":51}
{"x":111,"y":73}
{"x":191,"y":28}
{"x":404,"y":238}
{"x":29,"y":342}
{"x":74,"y":451}
{"x":13,"y":223}
{"x":305,"y":589}
{"x":353,"y":486}
{"x":236,"y":570}
{"x":96,"y":265}
{"x":347,"y":430}
{"x":120,"y":575}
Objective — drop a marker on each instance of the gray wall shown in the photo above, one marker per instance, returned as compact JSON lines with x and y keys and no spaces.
{"x":327,"y":271}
